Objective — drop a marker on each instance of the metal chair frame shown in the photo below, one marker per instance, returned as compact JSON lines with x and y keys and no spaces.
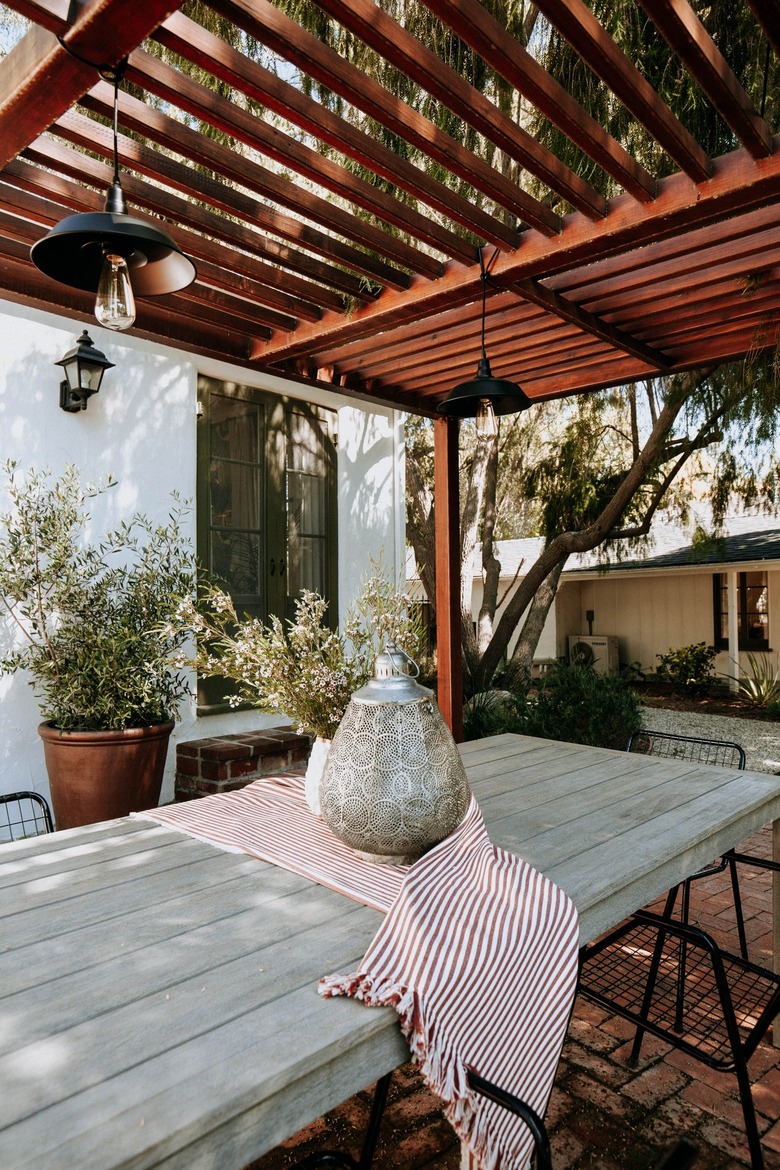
{"x":721,"y":753}
{"x":622,"y":971}
{"x":36,"y":820}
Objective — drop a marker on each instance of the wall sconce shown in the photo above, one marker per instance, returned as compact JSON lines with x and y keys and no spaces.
{"x":84,"y":367}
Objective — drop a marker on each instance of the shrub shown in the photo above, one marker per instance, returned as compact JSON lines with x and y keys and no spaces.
{"x":87,"y":619}
{"x":575,"y":704}
{"x":571,"y":703}
{"x":688,"y":669}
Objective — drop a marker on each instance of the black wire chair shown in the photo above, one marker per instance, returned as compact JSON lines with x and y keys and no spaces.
{"x":24,"y":814}
{"x":679,"y":1158}
{"x":673,"y":980}
{"x":724,"y":754}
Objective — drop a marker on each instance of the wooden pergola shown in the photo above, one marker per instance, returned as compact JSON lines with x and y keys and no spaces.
{"x":363,"y":292}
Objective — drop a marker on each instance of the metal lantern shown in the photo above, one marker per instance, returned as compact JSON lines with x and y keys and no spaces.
{"x":394,"y":784}
{"x":84,"y":367}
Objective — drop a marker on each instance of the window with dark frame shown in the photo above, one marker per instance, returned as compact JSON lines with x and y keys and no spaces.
{"x":752,"y":611}
{"x":266,"y":505}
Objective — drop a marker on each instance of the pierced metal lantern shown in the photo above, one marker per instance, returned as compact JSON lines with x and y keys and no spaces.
{"x":394,"y":784}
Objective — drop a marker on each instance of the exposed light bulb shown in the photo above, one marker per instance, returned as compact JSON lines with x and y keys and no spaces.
{"x":115,"y":303}
{"x":487,"y":427}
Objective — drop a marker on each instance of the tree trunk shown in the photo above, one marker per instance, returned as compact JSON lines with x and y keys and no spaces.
{"x":519,"y":669}
{"x":591,"y":536}
{"x":419,"y":527}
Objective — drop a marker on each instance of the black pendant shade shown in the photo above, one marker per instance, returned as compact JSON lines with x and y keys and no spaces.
{"x":484,"y":395}
{"x":74,"y":250}
{"x":110,"y":253}
{"x":465,"y":400}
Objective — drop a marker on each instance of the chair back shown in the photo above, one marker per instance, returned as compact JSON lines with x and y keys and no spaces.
{"x":721,"y":752}
{"x":24,"y":814}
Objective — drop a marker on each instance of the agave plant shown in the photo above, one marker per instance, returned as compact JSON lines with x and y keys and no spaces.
{"x":762,"y":685}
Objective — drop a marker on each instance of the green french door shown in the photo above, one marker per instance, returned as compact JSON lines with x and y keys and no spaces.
{"x":266,"y":507}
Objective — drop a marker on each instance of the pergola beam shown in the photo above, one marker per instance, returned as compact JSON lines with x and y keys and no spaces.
{"x":737,"y":183}
{"x":39,"y":79}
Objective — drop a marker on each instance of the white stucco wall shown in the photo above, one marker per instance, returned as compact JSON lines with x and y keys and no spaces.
{"x":141,"y":428}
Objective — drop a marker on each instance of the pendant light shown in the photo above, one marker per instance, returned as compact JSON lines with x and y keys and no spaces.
{"x":484,"y":396}
{"x":113,"y":254}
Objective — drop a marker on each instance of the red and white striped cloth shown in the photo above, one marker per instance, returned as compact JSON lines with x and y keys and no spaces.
{"x":477,"y":953}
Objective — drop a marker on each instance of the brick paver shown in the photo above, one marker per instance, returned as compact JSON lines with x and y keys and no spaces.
{"x":603,"y":1113}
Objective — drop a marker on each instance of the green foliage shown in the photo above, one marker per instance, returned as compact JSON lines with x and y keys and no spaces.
{"x":572,"y":703}
{"x":488,"y":713}
{"x":762,"y":687}
{"x":88,"y":620}
{"x":302,"y":668}
{"x":689,"y":669}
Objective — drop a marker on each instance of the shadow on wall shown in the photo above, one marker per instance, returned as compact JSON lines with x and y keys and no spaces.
{"x":366,"y":492}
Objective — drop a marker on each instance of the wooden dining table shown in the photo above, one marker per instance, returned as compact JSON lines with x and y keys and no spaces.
{"x":158,"y":996}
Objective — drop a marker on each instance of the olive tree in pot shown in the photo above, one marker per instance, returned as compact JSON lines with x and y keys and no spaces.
{"x":92,"y":623}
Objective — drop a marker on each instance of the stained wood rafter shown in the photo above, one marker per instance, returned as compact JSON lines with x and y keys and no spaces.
{"x":369,"y":281}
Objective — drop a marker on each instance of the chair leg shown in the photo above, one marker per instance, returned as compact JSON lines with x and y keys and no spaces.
{"x":737,"y":897}
{"x":335,"y":1159}
{"x":542,"y":1155}
{"x":652,"y":976}
{"x":748,"y":1111}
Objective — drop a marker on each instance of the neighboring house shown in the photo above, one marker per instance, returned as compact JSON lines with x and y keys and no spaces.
{"x":729,"y":598}
{"x":293,"y":486}
{"x":631,"y":612}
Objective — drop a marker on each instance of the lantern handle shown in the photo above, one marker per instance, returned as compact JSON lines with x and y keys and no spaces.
{"x":394,"y":651}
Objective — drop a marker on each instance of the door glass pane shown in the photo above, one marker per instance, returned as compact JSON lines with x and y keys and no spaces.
{"x":756,"y":616}
{"x":721,"y":610}
{"x":307,"y":519}
{"x":236,"y":535}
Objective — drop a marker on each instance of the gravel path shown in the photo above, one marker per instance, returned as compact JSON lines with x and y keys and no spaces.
{"x":761,"y":740}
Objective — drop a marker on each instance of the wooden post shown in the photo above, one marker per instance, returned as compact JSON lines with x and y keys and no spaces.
{"x":447,"y":534}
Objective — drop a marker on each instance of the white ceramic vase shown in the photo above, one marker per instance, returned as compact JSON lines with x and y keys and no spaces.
{"x":314,"y":770}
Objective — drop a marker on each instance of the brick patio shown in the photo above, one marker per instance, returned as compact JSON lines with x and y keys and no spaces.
{"x":602,"y":1114}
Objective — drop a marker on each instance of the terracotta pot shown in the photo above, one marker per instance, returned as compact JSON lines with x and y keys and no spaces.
{"x":99,"y":775}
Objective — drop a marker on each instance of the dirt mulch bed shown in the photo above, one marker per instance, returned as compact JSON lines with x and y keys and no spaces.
{"x":718,"y":703}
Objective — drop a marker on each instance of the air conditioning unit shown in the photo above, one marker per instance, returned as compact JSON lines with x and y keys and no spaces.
{"x":597,"y":650}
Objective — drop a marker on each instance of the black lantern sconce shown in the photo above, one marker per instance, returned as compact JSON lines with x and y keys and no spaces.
{"x":484,"y":397}
{"x":84,"y":367}
{"x":110,"y":253}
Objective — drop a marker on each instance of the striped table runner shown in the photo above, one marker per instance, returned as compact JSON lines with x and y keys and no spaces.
{"x":477,"y":952}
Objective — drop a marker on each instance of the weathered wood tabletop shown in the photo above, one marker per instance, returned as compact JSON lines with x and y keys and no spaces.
{"x":158,"y":1001}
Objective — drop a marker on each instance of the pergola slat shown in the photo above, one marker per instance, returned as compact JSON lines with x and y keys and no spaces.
{"x":688,"y":38}
{"x":486,"y":36}
{"x":189,"y":40}
{"x":172,"y":86}
{"x":271,"y":27}
{"x":767,"y":13}
{"x":575,"y":21}
{"x":365,"y":20}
